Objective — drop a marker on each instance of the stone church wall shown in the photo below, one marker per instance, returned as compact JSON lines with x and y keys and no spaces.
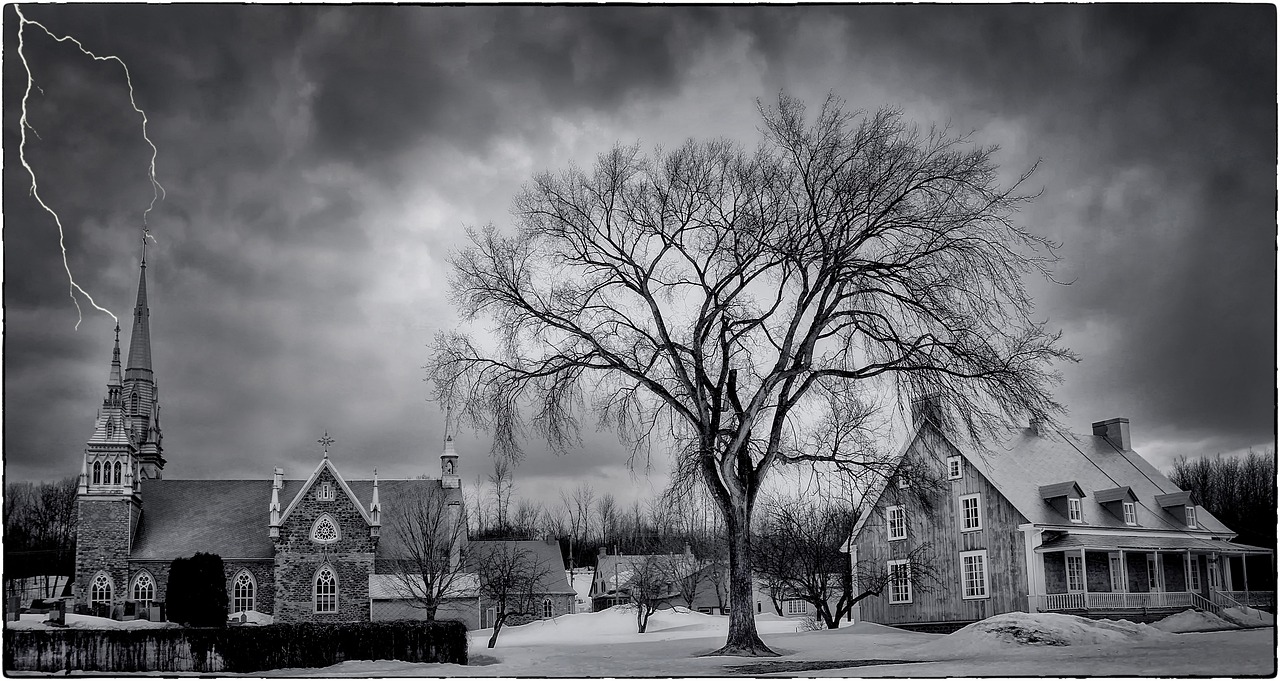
{"x":298,"y":558}
{"x":102,"y":543}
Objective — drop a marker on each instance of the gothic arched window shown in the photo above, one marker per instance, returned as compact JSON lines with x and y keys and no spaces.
{"x":144,"y":589}
{"x":326,"y":590}
{"x":117,"y":482}
{"x":97,"y":472}
{"x":546,"y":607}
{"x":243,"y":591}
{"x":325,"y":530}
{"x":100,"y":590}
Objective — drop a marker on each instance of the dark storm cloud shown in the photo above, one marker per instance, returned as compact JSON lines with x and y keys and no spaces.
{"x":321,"y":161}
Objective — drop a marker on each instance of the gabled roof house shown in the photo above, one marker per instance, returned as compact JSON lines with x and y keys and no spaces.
{"x":1041,"y":521}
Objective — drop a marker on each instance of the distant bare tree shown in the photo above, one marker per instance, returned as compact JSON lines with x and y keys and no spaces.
{"x":648,"y":586}
{"x":743,"y":304}
{"x":578,"y":505}
{"x":527,"y":519}
{"x":607,"y":508}
{"x":1238,"y":490}
{"x":508,"y":579}
{"x":799,"y":554}
{"x":40,"y":529}
{"x":428,"y":551}
{"x":502,"y":482}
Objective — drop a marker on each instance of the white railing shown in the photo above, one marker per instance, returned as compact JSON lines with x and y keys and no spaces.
{"x":1202,"y":603}
{"x":1116,"y":601}
{"x":1254,"y":599}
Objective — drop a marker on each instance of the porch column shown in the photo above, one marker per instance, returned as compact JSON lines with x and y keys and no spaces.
{"x":1244,"y":570}
{"x":1032,"y":538}
{"x":1124,"y":576}
{"x":1084,"y":577}
{"x":1226,"y":574}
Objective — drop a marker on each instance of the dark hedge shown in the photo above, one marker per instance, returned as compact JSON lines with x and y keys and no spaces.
{"x":240,"y":649}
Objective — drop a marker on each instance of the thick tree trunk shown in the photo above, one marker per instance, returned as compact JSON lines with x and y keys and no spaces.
{"x":742,"y":639}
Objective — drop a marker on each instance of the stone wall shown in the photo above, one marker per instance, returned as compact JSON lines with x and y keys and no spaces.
{"x":299,"y":558}
{"x":1097,"y":571}
{"x":1055,"y":573}
{"x":263,"y":572}
{"x":102,"y":544}
{"x":1136,"y":566}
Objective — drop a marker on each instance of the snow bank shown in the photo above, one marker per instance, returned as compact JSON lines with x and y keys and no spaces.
{"x":74,"y":621}
{"x":1046,"y":629}
{"x":1249,"y":617}
{"x":1192,"y":620}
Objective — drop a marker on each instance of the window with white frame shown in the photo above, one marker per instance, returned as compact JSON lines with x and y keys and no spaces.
{"x":899,"y":581}
{"x":902,"y":481}
{"x":144,"y":590}
{"x":325,"y":491}
{"x":973,"y":573}
{"x":1193,"y":573}
{"x":243,"y":592}
{"x":325,"y":530}
{"x":546,"y":607}
{"x":970,"y":512}
{"x":1215,"y":576}
{"x":897,"y":517}
{"x":1075,"y":573}
{"x":796,"y":606}
{"x":954,"y":470}
{"x":1154,"y":579}
{"x":1130,"y":513}
{"x":326,"y":590}
{"x":100,"y":589}
{"x":1074,"y":513}
{"x":1191,"y":516}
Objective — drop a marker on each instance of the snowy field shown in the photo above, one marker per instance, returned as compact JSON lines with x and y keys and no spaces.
{"x":606,"y":644}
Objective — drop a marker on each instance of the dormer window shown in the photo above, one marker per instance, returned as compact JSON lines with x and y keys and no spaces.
{"x":954,"y":470}
{"x":325,"y":491}
{"x":1191,"y":516}
{"x":1130,"y":513}
{"x":1074,"y":513}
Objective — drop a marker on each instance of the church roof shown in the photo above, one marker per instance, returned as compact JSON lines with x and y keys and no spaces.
{"x":232,"y":518}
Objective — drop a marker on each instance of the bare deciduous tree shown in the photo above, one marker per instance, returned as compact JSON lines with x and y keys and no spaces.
{"x":508,"y":579}
{"x":578,"y":507}
{"x":799,"y":556}
{"x":726,"y":300}
{"x":428,"y":549}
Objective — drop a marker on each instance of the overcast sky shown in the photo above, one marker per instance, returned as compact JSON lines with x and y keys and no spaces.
{"x":322,"y":162}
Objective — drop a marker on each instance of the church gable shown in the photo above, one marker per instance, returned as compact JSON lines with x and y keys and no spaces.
{"x":325,"y":516}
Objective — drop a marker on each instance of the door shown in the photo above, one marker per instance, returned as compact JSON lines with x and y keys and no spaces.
{"x":1117,"y":574}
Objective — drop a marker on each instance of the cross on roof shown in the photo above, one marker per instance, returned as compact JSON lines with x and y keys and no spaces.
{"x":325,"y":442}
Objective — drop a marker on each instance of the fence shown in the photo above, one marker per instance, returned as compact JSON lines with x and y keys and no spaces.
{"x":233,"y":649}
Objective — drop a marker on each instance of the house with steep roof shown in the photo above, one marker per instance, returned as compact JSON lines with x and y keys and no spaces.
{"x":1044,"y":521}
{"x":616,"y":575}
{"x":298,"y":549}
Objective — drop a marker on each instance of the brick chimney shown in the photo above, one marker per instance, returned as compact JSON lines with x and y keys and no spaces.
{"x":1115,"y":430}
{"x":603,"y":552}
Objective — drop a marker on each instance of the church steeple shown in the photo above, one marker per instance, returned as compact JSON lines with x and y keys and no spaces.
{"x":141,"y":396}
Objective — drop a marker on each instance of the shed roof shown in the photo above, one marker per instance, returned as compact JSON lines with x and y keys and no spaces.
{"x":1108,"y":542}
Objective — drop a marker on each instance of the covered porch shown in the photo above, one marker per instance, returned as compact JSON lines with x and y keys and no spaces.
{"x":1135,"y":575}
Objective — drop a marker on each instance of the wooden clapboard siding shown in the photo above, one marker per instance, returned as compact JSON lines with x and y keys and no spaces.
{"x":1006,"y":561}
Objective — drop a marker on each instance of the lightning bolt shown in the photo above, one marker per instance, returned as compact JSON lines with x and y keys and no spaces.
{"x":157,"y":190}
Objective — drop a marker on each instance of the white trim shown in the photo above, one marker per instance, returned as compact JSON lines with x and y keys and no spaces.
{"x":1130,"y":513}
{"x":1133,"y":531}
{"x":333,"y":522}
{"x":306,"y":486}
{"x":155,"y":588}
{"x":964,"y":587}
{"x":1190,"y":512}
{"x":111,"y":588}
{"x":977,"y":497}
{"x":907,"y":584}
{"x":1075,"y":510}
{"x":796,"y":606}
{"x":955,"y":468}
{"x":889,"y":524}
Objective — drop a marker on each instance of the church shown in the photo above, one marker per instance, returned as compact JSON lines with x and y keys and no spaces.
{"x":295,"y":549}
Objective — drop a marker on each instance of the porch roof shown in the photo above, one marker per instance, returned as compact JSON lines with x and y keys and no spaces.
{"x":1108,"y":542}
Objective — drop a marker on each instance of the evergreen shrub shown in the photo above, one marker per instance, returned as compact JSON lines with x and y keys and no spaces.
{"x":196,"y":594}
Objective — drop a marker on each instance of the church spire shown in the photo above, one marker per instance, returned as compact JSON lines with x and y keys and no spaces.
{"x":141,"y":396}
{"x":114,"y":384}
{"x":140,"y":342}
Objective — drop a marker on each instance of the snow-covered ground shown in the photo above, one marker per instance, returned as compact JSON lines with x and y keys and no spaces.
{"x":74,"y":621}
{"x":605,"y":644}
{"x":676,"y":644}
